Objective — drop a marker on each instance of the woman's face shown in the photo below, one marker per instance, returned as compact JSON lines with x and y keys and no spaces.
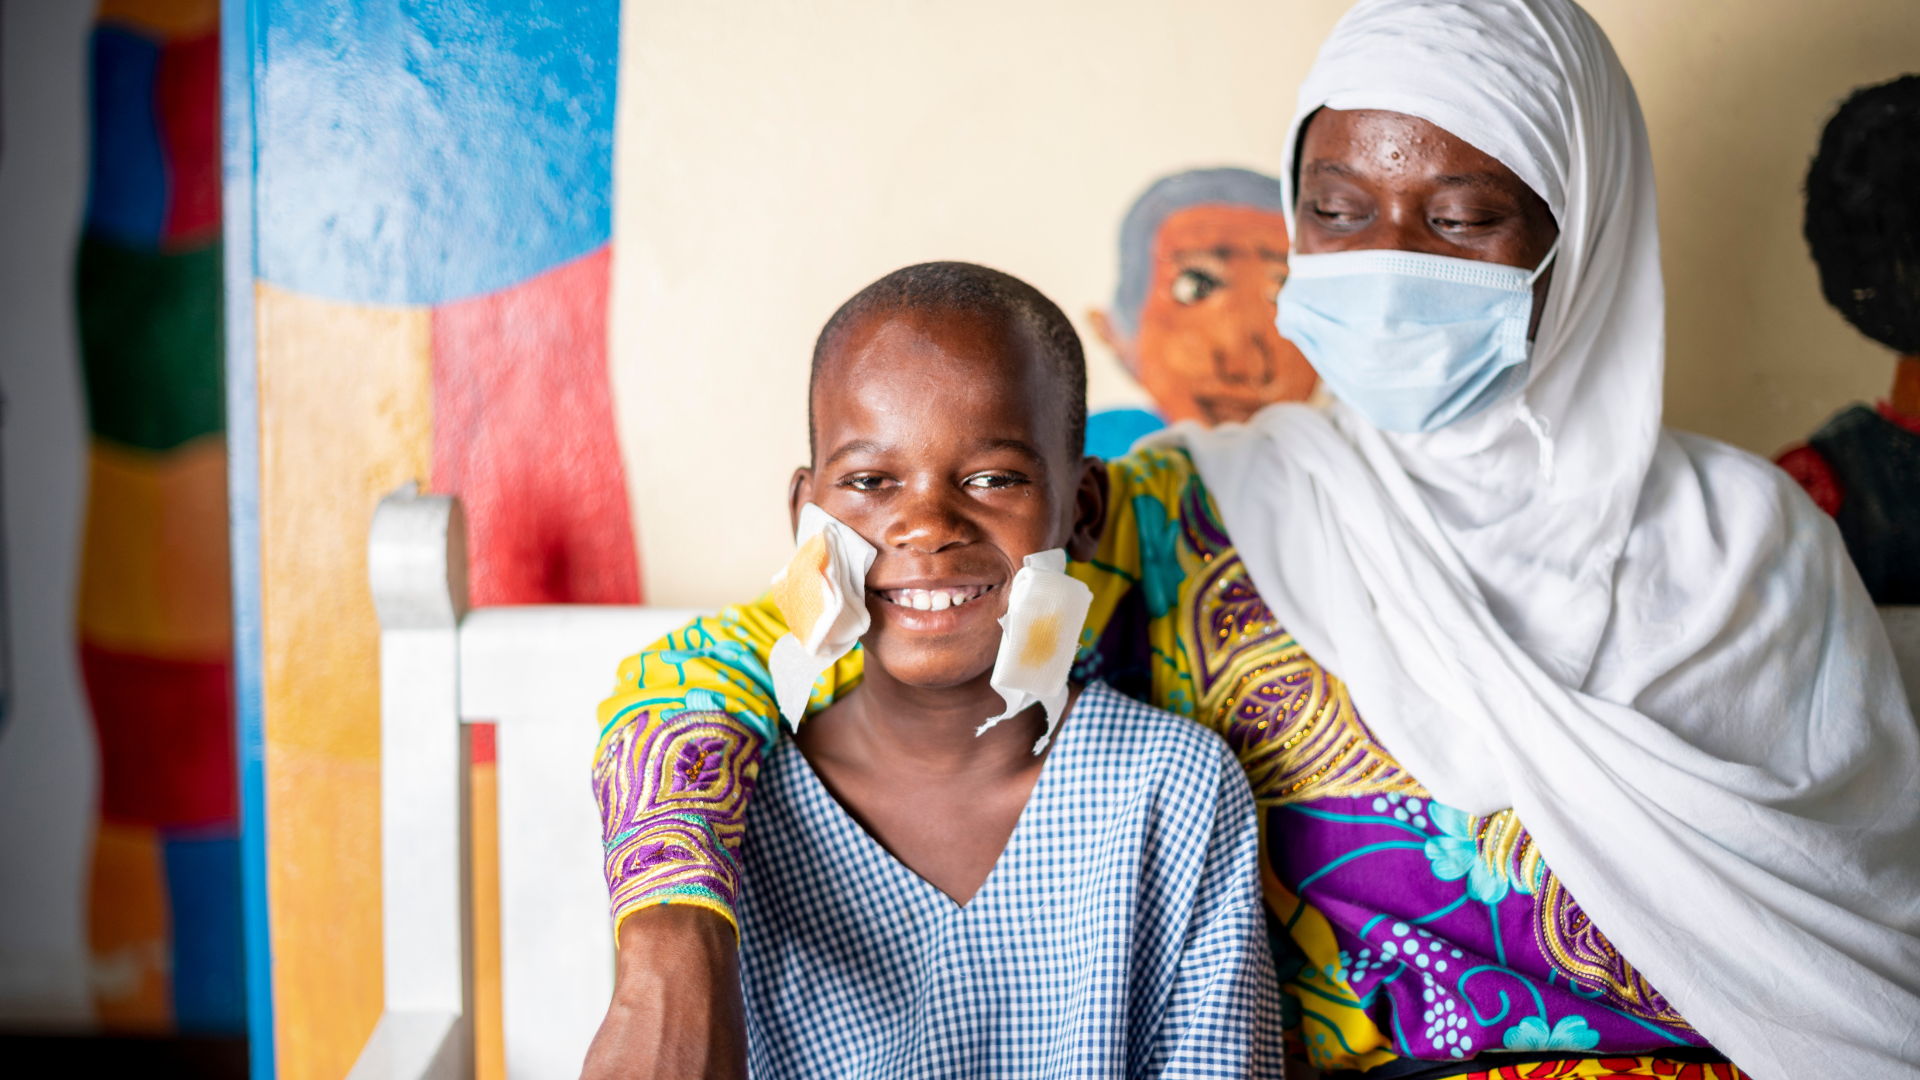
{"x":1371,"y":180}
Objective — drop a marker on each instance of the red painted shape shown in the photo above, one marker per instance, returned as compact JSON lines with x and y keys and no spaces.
{"x":481,"y":743}
{"x":523,"y":433}
{"x":166,"y":738}
{"x":187,"y":104}
{"x":1810,"y":470}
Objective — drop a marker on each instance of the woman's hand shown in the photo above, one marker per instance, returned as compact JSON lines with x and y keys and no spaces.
{"x":676,"y":1012}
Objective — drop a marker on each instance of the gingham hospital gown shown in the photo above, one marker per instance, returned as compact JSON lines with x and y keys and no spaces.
{"x":1120,"y":933}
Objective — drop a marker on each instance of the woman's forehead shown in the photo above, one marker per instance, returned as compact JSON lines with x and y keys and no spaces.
{"x":1393,"y":141}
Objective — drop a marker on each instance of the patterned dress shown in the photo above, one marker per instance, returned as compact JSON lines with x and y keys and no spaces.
{"x":1413,"y":940}
{"x":1119,"y":935}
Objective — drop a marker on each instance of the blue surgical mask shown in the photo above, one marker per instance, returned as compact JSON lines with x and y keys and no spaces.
{"x":1412,"y":342}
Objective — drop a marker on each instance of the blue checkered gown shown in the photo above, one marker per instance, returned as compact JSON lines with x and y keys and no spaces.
{"x":1119,"y":935}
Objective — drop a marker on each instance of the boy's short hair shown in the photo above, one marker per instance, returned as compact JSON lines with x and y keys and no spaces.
{"x":978,"y":290}
{"x":1863,"y":212}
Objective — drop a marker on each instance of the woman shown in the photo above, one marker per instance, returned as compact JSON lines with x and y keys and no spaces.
{"x":1595,"y":659}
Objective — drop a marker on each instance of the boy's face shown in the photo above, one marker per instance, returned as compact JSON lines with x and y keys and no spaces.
{"x":941,"y":439}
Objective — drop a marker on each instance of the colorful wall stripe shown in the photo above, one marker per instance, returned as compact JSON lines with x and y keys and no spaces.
{"x":425,"y":191}
{"x":154,"y":619}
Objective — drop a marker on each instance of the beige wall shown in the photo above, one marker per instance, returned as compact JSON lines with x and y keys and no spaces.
{"x":774,"y":158}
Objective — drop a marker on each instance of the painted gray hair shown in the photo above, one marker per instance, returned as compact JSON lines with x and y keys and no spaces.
{"x":1169,"y":194}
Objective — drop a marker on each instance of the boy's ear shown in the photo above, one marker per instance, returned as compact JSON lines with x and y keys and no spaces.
{"x":1089,"y":510}
{"x":799,"y":494}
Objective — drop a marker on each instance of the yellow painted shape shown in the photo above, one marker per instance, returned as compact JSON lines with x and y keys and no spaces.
{"x":345,"y":417}
{"x":153,"y":577}
{"x":127,"y":930}
{"x":172,"y":18}
{"x":489,"y":1042}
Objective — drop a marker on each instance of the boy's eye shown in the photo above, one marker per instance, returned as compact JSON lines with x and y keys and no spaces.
{"x":992,"y":481}
{"x":1193,"y":286}
{"x":866,"y":482}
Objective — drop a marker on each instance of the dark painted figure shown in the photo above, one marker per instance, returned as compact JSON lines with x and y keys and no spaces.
{"x":1863,"y":224}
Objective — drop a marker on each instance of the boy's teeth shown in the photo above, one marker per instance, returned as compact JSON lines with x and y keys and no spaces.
{"x":934,"y":599}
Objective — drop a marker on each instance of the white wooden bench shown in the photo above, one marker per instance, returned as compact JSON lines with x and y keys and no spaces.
{"x":538,"y":673}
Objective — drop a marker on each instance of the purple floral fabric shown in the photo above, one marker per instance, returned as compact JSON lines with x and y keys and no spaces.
{"x":1455,"y":937}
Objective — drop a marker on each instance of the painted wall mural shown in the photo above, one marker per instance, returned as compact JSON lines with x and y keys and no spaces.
{"x":433,"y":203}
{"x":1203,"y":254}
{"x":154,"y":622}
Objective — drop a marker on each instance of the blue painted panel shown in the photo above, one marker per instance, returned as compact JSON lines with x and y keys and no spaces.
{"x":239,"y":58}
{"x":209,"y":969}
{"x":127,"y":196}
{"x":1111,"y":432}
{"x":422,"y":151}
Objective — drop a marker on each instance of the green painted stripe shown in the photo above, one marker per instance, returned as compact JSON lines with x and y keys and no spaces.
{"x":150,"y":343}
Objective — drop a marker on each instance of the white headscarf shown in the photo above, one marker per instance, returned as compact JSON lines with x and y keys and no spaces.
{"x":1652,"y":646}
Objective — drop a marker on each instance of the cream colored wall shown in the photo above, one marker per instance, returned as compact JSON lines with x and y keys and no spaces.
{"x":772,"y":159}
{"x":1736,"y":93}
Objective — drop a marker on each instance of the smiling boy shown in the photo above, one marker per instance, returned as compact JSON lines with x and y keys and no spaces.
{"x":919,"y":894}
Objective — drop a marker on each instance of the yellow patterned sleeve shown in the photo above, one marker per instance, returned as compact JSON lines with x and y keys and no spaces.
{"x":680,"y":748}
{"x":1156,"y":507}
{"x":1144,"y":492}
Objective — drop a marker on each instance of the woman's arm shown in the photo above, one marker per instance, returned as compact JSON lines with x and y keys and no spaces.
{"x":676,"y":1012}
{"x":680,"y":749}
{"x":679,"y":753}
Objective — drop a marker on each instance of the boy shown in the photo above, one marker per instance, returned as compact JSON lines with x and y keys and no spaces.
{"x":914,"y":898}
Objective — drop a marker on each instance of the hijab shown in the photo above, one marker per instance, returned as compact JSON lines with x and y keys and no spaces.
{"x":1650,"y":645}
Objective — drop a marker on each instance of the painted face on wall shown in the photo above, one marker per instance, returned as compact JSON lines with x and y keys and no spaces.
{"x":1207,"y":349}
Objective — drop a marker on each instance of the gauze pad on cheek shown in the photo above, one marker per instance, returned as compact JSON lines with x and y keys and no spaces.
{"x":1040,"y":634}
{"x":822,"y":594}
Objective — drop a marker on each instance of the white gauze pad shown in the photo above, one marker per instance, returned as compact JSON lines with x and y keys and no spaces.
{"x":1040,"y":634}
{"x":822,"y":594}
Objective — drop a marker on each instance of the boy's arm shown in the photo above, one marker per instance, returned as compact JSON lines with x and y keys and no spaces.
{"x":1223,"y":1015}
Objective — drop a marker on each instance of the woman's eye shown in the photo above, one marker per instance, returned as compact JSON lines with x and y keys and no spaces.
{"x":1452,"y":224}
{"x":1338,"y":212}
{"x":1193,"y":286}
